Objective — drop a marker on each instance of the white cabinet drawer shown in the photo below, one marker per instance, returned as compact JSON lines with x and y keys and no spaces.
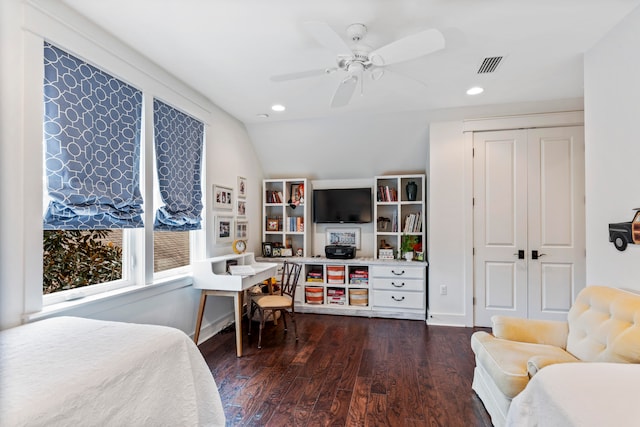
{"x":398,"y":284}
{"x":398,"y":299}
{"x":398,"y":271}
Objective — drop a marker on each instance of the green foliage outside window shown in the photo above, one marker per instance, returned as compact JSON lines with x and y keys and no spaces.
{"x":73,"y":259}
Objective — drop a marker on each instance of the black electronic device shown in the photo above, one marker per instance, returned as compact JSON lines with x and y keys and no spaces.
{"x":340,"y":251}
{"x":342,"y":205}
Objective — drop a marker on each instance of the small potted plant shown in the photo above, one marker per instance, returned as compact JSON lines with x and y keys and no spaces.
{"x":408,"y":246}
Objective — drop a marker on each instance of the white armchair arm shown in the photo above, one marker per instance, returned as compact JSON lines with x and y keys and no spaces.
{"x":536,"y":363}
{"x":532,"y":331}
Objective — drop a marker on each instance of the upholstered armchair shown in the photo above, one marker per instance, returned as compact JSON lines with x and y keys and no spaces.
{"x":603,"y":325}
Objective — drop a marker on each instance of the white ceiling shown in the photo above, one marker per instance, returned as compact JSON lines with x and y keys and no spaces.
{"x":228,"y":49}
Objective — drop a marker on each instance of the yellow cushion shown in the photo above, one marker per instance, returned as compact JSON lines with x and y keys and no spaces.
{"x":274,"y":301}
{"x":530,"y":330}
{"x":506,"y":361}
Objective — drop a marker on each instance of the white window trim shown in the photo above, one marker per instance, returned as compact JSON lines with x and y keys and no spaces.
{"x":110,"y":299}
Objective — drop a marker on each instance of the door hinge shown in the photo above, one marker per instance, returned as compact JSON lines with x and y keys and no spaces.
{"x":473,"y":201}
{"x":473,"y":152}
{"x":473,"y":251}
{"x":474,"y":301}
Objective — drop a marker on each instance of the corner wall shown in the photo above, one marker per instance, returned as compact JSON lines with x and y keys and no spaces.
{"x":612,"y":151}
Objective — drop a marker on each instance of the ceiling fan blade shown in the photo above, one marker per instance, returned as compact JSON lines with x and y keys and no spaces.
{"x":301,"y":74}
{"x":328,"y":38}
{"x":344,"y":92}
{"x":410,"y":47}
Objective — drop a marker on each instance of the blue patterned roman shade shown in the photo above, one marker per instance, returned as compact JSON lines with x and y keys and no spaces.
{"x":92,"y":127}
{"x":178,"y":143}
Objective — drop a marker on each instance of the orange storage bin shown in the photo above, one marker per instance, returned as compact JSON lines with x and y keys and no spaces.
{"x":314,"y":295}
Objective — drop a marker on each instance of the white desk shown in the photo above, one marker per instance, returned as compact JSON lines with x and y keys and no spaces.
{"x":211,"y":276}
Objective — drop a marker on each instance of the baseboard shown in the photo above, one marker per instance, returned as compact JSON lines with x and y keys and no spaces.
{"x":442,"y":319}
{"x":212,"y":328}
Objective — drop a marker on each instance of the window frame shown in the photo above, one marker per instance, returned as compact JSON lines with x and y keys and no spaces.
{"x":137,"y":258}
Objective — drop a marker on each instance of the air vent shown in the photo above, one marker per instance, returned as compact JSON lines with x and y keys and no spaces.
{"x":490,"y":64}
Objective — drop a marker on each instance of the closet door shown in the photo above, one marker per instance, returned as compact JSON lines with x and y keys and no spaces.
{"x":556,"y":221}
{"x":528,"y":222}
{"x":500,"y":224}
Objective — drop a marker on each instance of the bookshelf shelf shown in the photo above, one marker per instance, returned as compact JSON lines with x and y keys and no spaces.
{"x":397,"y":216}
{"x":284,"y":203}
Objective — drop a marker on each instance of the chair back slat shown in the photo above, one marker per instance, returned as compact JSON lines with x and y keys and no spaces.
{"x":289,"y":281}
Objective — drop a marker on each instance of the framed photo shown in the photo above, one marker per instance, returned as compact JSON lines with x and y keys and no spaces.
{"x":286,"y":252}
{"x":224,"y":229}
{"x":222,"y":197}
{"x":267,"y":249}
{"x":242,"y":187}
{"x":276,"y":251}
{"x":297,"y":193}
{"x":242,"y":230}
{"x":272,"y":224}
{"x":242,"y":207}
{"x":344,"y":236}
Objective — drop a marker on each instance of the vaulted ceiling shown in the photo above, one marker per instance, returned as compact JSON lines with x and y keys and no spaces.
{"x":229,"y":49}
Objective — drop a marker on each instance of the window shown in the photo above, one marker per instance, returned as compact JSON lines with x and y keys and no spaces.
{"x":92,"y":143}
{"x":91,"y":132}
{"x":178,"y":141}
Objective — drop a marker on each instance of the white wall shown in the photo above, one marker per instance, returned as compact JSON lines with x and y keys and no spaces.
{"x":345,"y":147}
{"x":228,"y":149}
{"x":612,"y":151}
{"x":448,"y":239}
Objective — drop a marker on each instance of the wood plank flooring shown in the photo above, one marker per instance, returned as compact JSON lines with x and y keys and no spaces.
{"x":347,"y":371}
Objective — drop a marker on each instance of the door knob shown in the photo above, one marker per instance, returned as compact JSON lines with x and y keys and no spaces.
{"x":536,"y":255}
{"x":520,"y":254}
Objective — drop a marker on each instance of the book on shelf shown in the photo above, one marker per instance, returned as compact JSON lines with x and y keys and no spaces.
{"x":413,"y":223}
{"x":273,"y":196}
{"x":387,"y":194}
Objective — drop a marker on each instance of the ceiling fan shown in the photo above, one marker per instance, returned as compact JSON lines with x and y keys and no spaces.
{"x":356,"y":61}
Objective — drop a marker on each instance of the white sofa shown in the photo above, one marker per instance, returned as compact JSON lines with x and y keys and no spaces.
{"x":603,"y":325}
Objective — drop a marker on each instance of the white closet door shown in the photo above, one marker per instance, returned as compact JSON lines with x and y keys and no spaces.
{"x":529,"y":196}
{"x":500,"y":224}
{"x":556,"y":220}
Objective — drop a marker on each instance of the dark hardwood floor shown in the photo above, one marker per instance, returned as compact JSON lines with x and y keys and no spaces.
{"x":347,"y":371}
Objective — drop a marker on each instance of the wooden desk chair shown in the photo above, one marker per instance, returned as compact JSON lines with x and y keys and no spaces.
{"x":282,"y":301}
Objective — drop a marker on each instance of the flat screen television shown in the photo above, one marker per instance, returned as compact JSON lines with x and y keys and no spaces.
{"x":342,"y":205}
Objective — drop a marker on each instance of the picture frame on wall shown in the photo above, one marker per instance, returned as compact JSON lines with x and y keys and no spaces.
{"x":223,"y":229}
{"x":242,"y":230}
{"x":343,"y":236}
{"x":242,"y":208}
{"x":222,"y":197}
{"x":242,"y":187}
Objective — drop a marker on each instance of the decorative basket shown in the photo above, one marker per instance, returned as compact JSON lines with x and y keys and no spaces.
{"x":335,"y":274}
{"x":359,"y":297}
{"x":314,"y":295}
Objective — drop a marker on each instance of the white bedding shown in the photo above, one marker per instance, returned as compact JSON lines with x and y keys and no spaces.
{"x":579,"y":394}
{"x":70,"y":371}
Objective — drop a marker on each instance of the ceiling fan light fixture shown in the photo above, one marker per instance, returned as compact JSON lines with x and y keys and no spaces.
{"x":476,"y":90}
{"x":278,"y":107}
{"x":262,"y":116}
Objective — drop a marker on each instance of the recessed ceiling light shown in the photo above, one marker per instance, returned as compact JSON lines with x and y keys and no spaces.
{"x":263,"y":116}
{"x":278,"y":107}
{"x":476,"y":90}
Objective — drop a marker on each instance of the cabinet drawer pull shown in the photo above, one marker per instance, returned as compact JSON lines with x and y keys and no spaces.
{"x":397,"y":299}
{"x":398,"y":274}
{"x":397,"y":286}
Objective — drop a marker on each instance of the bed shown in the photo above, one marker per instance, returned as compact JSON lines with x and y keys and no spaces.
{"x":579,"y":394}
{"x":71,"y":371}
